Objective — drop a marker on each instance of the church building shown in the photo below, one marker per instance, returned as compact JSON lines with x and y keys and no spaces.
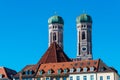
{"x":56,"y":65}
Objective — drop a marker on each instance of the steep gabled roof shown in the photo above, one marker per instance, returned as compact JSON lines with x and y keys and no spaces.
{"x":22,"y":73}
{"x":7,"y":73}
{"x":54,"y":54}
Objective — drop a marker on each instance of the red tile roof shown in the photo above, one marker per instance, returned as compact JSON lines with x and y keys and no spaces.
{"x":54,"y":54}
{"x":69,"y":65}
{"x":7,"y":73}
{"x":55,"y":59}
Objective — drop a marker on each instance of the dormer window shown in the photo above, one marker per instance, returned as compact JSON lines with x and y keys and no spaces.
{"x":49,"y":71}
{"x":65,"y":70}
{"x":78,"y":69}
{"x":26,"y":72}
{"x":92,"y":68}
{"x":85,"y":69}
{"x":71,"y":70}
{"x":30,"y":72}
{"x":0,"y":76}
{"x":41,"y":72}
{"x":59,"y":71}
{"x":102,"y":69}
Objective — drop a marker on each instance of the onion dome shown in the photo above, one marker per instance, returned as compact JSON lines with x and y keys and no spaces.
{"x":84,"y":18}
{"x":55,"y":19}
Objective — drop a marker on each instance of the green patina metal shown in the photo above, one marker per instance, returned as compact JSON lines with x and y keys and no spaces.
{"x":83,"y":18}
{"x":55,"y":19}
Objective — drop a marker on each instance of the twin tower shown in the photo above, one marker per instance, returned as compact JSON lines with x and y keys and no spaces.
{"x":84,"y":34}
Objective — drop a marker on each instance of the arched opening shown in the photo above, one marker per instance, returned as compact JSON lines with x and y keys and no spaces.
{"x":79,"y":36}
{"x":50,"y":37}
{"x":83,"y":35}
{"x":54,"y":36}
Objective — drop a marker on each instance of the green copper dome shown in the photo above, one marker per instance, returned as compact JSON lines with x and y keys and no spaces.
{"x":84,"y":18}
{"x":55,"y":19}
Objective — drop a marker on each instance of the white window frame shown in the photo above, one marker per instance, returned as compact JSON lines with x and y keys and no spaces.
{"x":78,"y":69}
{"x":71,"y":70}
{"x":85,"y":69}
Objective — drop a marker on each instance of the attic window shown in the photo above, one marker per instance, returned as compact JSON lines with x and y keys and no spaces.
{"x":85,"y":69}
{"x":30,"y":72}
{"x":26,"y":72}
{"x":102,"y":69}
{"x":49,"y":71}
{"x":41,"y":72}
{"x":78,"y":69}
{"x":65,"y":70}
{"x":71,"y":70}
{"x":92,"y":68}
{"x":59,"y":71}
{"x":0,"y":75}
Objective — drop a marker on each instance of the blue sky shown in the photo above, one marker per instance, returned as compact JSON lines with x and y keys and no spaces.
{"x":24,"y":29}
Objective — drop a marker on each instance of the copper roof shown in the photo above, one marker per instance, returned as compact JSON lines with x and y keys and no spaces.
{"x":54,"y":54}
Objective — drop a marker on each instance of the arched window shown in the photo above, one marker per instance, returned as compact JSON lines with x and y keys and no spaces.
{"x":50,"y":37}
{"x":54,"y":36}
{"x":83,"y":35}
{"x":79,"y":36}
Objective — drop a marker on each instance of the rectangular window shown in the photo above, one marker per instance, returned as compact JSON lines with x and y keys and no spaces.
{"x":92,"y":77}
{"x":84,"y":69}
{"x":71,"y":78}
{"x":26,"y":72}
{"x":77,"y":77}
{"x":64,"y":78}
{"x":59,"y":71}
{"x":41,"y":72}
{"x":47,"y":78}
{"x":78,"y":69}
{"x":71,"y":70}
{"x":38,"y":78}
{"x":84,"y":77}
{"x":101,"y":77}
{"x":65,"y":70}
{"x":108,"y":77}
{"x":49,"y":71}
{"x":91,"y":68}
{"x":57,"y":78}
{"x":0,"y":75}
{"x":30,"y":72}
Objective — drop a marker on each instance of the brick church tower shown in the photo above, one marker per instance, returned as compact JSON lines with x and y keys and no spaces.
{"x":84,"y":37}
{"x":55,"y":24}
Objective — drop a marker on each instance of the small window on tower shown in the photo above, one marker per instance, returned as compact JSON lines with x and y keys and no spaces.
{"x":54,"y":36}
{"x":83,"y":35}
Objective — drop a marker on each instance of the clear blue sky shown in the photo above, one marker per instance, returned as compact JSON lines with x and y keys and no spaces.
{"x":24,"y":29}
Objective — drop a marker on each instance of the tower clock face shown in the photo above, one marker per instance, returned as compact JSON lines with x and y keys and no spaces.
{"x":84,"y":49}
